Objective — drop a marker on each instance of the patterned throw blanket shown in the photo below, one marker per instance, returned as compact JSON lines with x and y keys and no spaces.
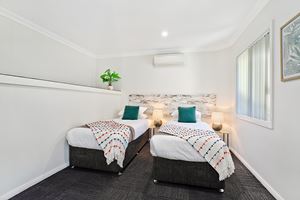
{"x":208,"y":144}
{"x":113,"y":138}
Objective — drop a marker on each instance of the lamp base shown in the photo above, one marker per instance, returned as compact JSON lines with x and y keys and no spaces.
{"x":217,"y":127}
{"x":157,"y":123}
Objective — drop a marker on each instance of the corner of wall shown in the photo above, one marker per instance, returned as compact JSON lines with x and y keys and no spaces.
{"x":257,"y":175}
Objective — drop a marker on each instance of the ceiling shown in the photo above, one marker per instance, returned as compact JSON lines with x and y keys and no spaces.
{"x":106,"y":28}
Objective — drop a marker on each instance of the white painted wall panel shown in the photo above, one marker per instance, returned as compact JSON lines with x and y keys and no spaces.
{"x":273,"y":154}
{"x":201,"y":73}
{"x":33,"y":120}
{"x":25,"y":52}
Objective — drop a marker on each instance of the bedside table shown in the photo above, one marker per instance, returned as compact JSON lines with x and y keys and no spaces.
{"x":225,"y":136}
{"x":153,"y":131}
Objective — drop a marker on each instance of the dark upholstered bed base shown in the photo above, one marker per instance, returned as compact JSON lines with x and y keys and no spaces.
{"x":94,"y":159}
{"x":189,"y":173}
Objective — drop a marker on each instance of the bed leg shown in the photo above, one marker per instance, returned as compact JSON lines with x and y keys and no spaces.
{"x":155,"y":181}
{"x":221,"y":190}
{"x":120,"y":173}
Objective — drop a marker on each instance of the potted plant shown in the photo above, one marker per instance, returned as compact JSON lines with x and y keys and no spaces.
{"x":109,"y":77}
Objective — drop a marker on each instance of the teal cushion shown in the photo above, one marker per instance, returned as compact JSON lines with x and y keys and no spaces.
{"x":131,"y":112}
{"x":187,"y":114}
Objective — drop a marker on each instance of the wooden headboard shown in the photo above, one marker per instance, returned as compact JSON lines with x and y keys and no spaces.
{"x":203,"y":102}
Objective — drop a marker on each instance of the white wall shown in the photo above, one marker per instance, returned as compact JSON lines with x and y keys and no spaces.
{"x":273,"y":154}
{"x":202,"y":73}
{"x":34,"y":121}
{"x":26,"y":52}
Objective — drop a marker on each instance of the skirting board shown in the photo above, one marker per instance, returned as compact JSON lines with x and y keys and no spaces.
{"x":32,"y":182}
{"x":259,"y":178}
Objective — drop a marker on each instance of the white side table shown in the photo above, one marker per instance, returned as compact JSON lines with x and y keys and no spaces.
{"x":225,"y":136}
{"x":153,"y":131}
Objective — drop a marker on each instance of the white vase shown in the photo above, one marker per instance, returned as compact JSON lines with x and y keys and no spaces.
{"x":110,"y":87}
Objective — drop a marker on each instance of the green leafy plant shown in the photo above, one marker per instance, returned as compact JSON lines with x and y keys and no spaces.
{"x":109,"y":77}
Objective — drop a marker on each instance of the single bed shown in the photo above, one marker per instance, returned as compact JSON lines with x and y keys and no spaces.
{"x":178,"y":162}
{"x":85,"y":152}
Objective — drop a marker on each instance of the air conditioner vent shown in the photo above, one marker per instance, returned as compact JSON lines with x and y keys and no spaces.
{"x":173,"y":59}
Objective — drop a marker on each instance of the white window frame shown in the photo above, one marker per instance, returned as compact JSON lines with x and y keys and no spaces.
{"x":263,"y":123}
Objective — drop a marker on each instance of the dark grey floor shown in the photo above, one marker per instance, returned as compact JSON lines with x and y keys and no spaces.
{"x":136,"y":184}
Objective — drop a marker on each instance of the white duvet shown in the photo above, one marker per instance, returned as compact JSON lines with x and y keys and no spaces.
{"x":84,"y":138}
{"x":175,"y":148}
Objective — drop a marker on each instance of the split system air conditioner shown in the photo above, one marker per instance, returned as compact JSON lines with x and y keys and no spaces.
{"x":172,"y":59}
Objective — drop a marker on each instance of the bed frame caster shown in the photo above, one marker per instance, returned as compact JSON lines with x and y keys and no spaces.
{"x":120,"y":173}
{"x":221,"y":190}
{"x":155,"y":181}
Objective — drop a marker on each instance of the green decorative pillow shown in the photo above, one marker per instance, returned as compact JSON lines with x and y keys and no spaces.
{"x":187,"y":114}
{"x":131,"y":112}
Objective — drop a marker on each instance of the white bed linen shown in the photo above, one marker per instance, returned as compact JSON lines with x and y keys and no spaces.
{"x":175,"y":148}
{"x":84,"y":138}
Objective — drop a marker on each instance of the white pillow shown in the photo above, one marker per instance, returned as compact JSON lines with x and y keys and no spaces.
{"x":141,"y":113}
{"x":143,"y":116}
{"x":198,"y":115}
{"x":142,"y":109}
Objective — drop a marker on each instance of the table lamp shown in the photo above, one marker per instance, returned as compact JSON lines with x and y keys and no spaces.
{"x":217,"y":119}
{"x":157,"y":117}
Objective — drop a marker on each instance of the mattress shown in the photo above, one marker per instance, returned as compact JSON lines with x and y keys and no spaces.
{"x":84,"y":138}
{"x":175,"y":148}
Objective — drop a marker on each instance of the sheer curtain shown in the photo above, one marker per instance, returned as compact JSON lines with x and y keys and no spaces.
{"x":254,"y":81}
{"x":260,"y":80}
{"x":243,"y":86}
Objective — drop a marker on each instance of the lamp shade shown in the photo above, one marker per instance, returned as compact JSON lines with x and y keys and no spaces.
{"x":217,"y":118}
{"x":157,"y":114}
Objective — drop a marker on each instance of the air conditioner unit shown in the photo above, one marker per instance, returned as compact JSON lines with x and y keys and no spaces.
{"x":168,"y":59}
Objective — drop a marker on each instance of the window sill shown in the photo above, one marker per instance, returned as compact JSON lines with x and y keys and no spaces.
{"x":266,"y":124}
{"x":13,"y":80}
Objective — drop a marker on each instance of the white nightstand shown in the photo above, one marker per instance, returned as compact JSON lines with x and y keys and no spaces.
{"x":153,"y":131}
{"x":225,"y":135}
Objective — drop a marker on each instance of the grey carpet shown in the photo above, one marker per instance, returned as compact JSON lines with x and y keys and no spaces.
{"x":136,"y":184}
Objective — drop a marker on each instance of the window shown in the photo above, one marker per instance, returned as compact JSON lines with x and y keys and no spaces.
{"x":254,"y":83}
